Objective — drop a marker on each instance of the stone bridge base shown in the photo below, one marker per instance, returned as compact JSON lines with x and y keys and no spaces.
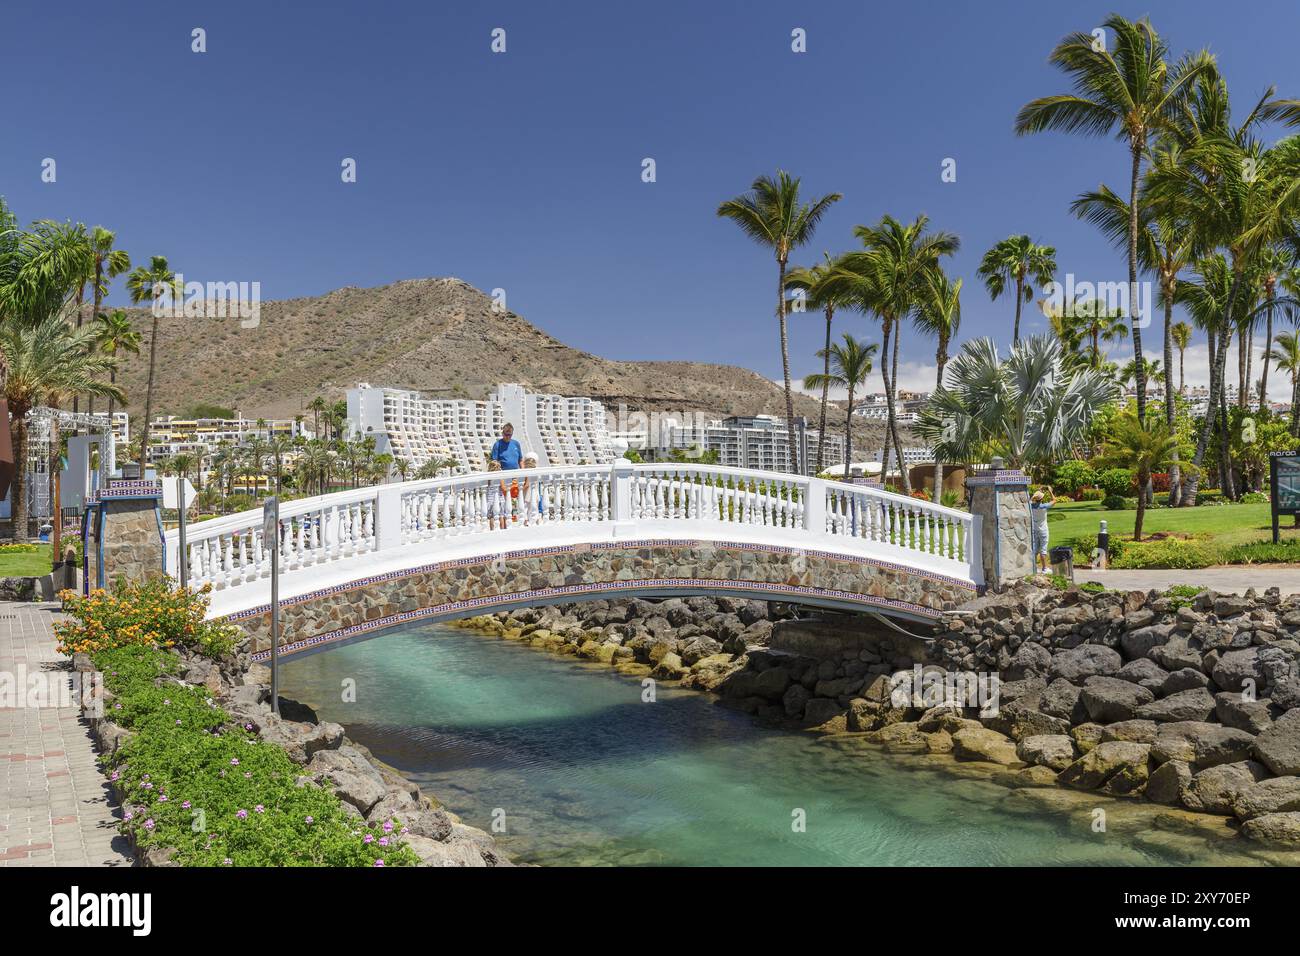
{"x":478,"y":585}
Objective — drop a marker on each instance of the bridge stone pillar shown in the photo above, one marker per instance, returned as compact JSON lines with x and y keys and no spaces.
{"x":999,"y":499}
{"x":129,"y":541}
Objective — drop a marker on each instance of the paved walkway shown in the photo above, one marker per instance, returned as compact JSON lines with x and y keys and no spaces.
{"x":1285,"y":577}
{"x":55,"y":806}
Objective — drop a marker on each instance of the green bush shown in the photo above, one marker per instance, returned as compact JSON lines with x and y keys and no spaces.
{"x":1254,"y":498}
{"x":1085,"y":545}
{"x":1114,"y":503}
{"x":1263,"y":552}
{"x":1071,"y":476}
{"x":22,"y":547}
{"x":1092,"y":587}
{"x":1181,"y":595}
{"x":1091,"y":494}
{"x":1116,"y":481}
{"x":216,"y":792}
{"x":1168,"y":553}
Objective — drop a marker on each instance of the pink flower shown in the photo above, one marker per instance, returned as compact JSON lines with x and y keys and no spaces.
{"x":234,"y":761}
{"x":259,"y":808}
{"x":185,"y":805}
{"x":242,"y":814}
{"x":383,"y":841}
{"x":370,"y":838}
{"x":162,"y":798}
{"x":148,"y":824}
{"x":388,"y":826}
{"x":379,"y":862}
{"x":311,"y":819}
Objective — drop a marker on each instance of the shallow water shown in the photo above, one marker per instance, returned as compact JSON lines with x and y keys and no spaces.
{"x":580,"y":770}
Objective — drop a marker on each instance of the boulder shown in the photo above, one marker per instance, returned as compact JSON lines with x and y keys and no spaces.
{"x":1274,"y":829}
{"x":1029,"y":659}
{"x":1175,"y":654}
{"x":1274,"y":795}
{"x":1047,"y":750}
{"x":1134,"y":731}
{"x":773,"y":683}
{"x":1214,"y":790}
{"x":819,"y":710}
{"x":1018,"y":719}
{"x":980,"y":743}
{"x":1185,"y":678}
{"x":1109,"y":699}
{"x":1086,"y":736}
{"x":795,"y":699}
{"x":1139,"y":643}
{"x":1252,"y":716}
{"x":1084,"y":661}
{"x":1168,"y":781}
{"x":432,"y":824}
{"x":1201,"y":744}
{"x":1278,"y":747}
{"x":1145,"y":672}
{"x":397,"y":806}
{"x":1196,"y":704}
{"x":1286,"y":693}
{"x":1061,"y":699}
{"x":1235,"y":668}
{"x":302,"y":741}
{"x":1106,"y":760}
{"x":352,"y":778}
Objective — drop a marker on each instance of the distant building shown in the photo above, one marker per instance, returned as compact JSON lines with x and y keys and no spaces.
{"x":760,"y":442}
{"x":560,"y":430}
{"x":201,"y":438}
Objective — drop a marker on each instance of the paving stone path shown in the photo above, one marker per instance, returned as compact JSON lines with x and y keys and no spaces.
{"x":55,"y":806}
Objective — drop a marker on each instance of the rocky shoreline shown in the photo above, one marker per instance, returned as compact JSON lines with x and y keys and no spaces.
{"x":1186,"y":707}
{"x":368,"y":789}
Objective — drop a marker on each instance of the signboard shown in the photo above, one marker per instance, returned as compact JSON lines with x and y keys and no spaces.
{"x":169,"y":492}
{"x":1284,"y":482}
{"x":270,"y":520}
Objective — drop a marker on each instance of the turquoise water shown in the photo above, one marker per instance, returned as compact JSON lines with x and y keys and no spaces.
{"x":580,"y":770}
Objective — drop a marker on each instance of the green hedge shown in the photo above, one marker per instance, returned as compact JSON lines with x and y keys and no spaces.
{"x":216,"y":792}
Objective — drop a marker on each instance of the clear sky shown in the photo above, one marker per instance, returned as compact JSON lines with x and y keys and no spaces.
{"x":522,"y":170}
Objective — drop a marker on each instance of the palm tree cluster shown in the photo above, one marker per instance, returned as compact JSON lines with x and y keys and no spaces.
{"x":48,"y":355}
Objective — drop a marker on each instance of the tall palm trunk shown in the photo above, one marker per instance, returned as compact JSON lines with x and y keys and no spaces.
{"x":1242,"y":368}
{"x":148,"y":392}
{"x":826,"y":372}
{"x":1140,"y":373}
{"x":887,"y":328}
{"x":891,"y":382}
{"x":1175,"y":490}
{"x":18,"y":492}
{"x":941,"y":360}
{"x":848,"y":435}
{"x":1218,"y":369}
{"x":785,"y":371}
{"x":1268,"y":345}
{"x":1020,"y":289}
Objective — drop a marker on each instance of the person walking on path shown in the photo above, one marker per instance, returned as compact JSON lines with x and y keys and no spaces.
{"x":506,"y":450}
{"x":1038,"y":527}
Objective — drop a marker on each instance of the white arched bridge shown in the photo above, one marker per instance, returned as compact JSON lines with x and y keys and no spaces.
{"x":356,"y":562}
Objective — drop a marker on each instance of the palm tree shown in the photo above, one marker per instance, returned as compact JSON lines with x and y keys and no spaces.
{"x":1013,"y":260}
{"x":1029,"y":406}
{"x":45,"y":361}
{"x":114,"y":334}
{"x":1132,"y":91}
{"x":850,"y":364}
{"x":772,"y":214}
{"x":317,"y":407}
{"x":1286,"y":355}
{"x":1151,"y":371}
{"x":109,"y":264}
{"x":403,"y":467}
{"x":1182,"y":336}
{"x":821,"y":291}
{"x":1276,"y":262}
{"x":1144,"y":447}
{"x":939,"y":314}
{"x":888,"y":279}
{"x":151,"y":283}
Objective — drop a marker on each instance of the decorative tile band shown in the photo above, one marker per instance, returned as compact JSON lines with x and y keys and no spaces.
{"x":524,"y":597}
{"x":631,"y":544}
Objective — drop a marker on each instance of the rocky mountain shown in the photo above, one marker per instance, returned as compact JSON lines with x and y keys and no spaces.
{"x":439,"y":336}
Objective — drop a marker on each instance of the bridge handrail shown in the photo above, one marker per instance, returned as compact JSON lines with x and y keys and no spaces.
{"x":228,"y":551}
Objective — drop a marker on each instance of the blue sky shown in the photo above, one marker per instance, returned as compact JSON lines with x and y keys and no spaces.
{"x":522,"y":170}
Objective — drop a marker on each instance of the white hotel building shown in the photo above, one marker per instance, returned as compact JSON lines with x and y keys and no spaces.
{"x":559,"y":430}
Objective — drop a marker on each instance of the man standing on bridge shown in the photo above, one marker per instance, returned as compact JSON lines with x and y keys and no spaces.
{"x":506,"y":450}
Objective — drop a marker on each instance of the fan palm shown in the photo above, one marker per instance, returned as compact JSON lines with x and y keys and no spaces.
{"x":144,"y":284}
{"x":773,"y":215}
{"x":109,"y":264}
{"x":1029,"y":405}
{"x":1132,"y":92}
{"x":850,"y":366}
{"x":1012,"y":261}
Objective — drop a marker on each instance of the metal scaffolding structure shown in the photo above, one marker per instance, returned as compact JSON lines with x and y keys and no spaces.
{"x":40,"y":437}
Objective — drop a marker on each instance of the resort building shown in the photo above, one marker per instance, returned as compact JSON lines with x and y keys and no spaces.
{"x":201,"y":438}
{"x":758,"y":441}
{"x":559,"y":430}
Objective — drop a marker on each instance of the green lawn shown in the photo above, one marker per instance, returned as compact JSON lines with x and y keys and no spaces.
{"x":1223,"y":525}
{"x":32,"y":564}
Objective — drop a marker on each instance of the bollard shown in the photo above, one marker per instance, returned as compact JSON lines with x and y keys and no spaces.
{"x":1103,"y":547}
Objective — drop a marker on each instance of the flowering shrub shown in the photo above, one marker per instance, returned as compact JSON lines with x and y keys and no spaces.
{"x":922,"y":494}
{"x":215,"y":792}
{"x":153,"y":614}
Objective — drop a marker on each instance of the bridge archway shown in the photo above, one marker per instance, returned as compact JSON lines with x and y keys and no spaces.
{"x":358,"y":563}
